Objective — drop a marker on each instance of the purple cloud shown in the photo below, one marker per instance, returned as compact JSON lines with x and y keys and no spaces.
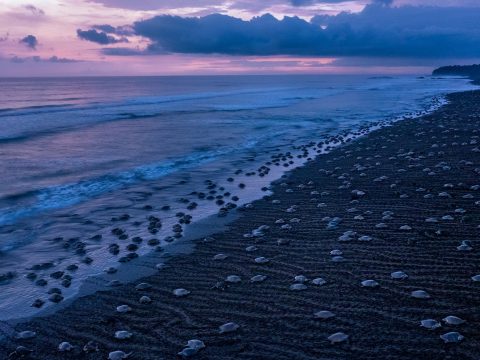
{"x":99,"y":37}
{"x":123,"y":51}
{"x":313,"y":2}
{"x":119,"y":30}
{"x":378,"y":31}
{"x":53,"y":59}
{"x":35,"y":10}
{"x":158,"y":4}
{"x":30,"y":41}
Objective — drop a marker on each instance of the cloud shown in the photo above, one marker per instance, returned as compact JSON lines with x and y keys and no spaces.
{"x":158,"y":4}
{"x":30,"y":41}
{"x":119,"y":30}
{"x":99,"y":37}
{"x":300,"y":3}
{"x":17,"y":60}
{"x":313,"y":2}
{"x":408,"y":18}
{"x":380,"y":30}
{"x":53,"y":59}
{"x":35,"y":10}
{"x":241,"y":8}
{"x":227,"y":35}
{"x":58,"y":60}
{"x":122,"y":51}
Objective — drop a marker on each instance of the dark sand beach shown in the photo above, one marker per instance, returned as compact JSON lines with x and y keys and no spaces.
{"x":405,"y":196}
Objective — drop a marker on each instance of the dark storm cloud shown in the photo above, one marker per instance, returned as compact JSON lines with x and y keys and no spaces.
{"x":99,"y":37}
{"x":30,"y":41}
{"x":418,"y":19}
{"x":379,"y":30}
{"x":227,"y":35}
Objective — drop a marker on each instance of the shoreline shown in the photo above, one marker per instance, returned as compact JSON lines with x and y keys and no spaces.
{"x":84,"y":283}
{"x":145,"y":264}
{"x":276,"y":322}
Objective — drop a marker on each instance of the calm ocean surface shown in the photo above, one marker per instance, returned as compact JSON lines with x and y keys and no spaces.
{"x":77,"y":152}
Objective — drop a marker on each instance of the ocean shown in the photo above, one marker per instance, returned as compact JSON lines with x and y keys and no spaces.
{"x":80,"y":157}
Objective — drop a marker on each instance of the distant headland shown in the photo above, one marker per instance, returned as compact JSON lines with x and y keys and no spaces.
{"x":472,"y":71}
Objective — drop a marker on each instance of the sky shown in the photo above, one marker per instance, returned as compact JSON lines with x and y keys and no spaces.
{"x":203,"y":37}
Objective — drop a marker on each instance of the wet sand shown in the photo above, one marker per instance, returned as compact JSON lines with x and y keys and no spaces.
{"x":420,"y":178}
